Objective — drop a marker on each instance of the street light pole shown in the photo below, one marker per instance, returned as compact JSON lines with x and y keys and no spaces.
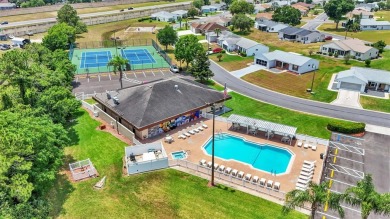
{"x":212,"y":148}
{"x":312,"y":81}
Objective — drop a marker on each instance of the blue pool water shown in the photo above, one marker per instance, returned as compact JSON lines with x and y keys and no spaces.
{"x":178,"y":155}
{"x":263,"y":157}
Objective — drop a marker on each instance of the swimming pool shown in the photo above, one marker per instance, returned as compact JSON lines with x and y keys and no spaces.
{"x":178,"y":155}
{"x":264,"y":157}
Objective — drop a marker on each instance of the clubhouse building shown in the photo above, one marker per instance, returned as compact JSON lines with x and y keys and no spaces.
{"x":155,"y":108}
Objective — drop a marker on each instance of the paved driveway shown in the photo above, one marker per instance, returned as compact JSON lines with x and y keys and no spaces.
{"x":348,"y":98}
{"x":247,"y":70}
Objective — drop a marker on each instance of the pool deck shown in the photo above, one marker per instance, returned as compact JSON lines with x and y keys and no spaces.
{"x":195,"y":143}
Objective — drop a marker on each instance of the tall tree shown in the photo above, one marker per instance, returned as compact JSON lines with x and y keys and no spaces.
{"x":242,"y":22}
{"x":287,"y":15}
{"x":186,"y":48}
{"x":59,"y":36}
{"x":315,"y":195}
{"x":179,"y":19}
{"x":192,"y":12}
{"x":365,"y":196}
{"x":200,"y":67}
{"x":380,"y":45}
{"x":67,"y":14}
{"x":336,"y":9}
{"x":167,"y":36}
{"x":198,"y":4}
{"x":117,"y":62}
{"x":241,"y":6}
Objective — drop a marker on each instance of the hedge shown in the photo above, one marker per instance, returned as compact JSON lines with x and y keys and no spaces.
{"x":346,"y":128}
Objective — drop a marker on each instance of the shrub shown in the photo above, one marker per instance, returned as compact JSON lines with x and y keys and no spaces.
{"x":144,"y":19}
{"x":368,"y":62}
{"x":346,"y":128}
{"x":223,"y":51}
{"x":243,"y":54}
{"x":316,"y":12}
{"x":330,"y":54}
{"x":336,"y":55}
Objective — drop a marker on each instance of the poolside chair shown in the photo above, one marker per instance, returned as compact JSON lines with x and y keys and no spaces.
{"x":299,"y":188}
{"x":306,"y":173}
{"x":194,"y":129}
{"x":221,"y":168}
{"x":277,"y":185}
{"x":240,"y":174}
{"x":181,"y":136}
{"x":234,"y":172}
{"x":309,"y":162}
{"x":303,"y":186}
{"x":305,"y":177}
{"x":191,"y":132}
{"x":255,"y":179}
{"x":248,"y":177}
{"x":299,"y":144}
{"x":270,"y":183}
{"x":203,"y":162}
{"x":186,"y":133}
{"x":262,"y":181}
{"x":306,"y":145}
{"x":204,"y":125}
{"x":306,"y":169}
{"x":209,"y":164}
{"x":308,"y":166}
{"x":216,"y":166}
{"x":228,"y":170}
{"x":302,"y":181}
{"x":200,"y":128}
{"x":314,"y":147}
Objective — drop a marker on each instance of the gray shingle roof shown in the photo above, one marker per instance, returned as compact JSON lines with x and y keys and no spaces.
{"x":372,"y":22}
{"x":366,"y":74}
{"x":153,"y":103}
{"x":291,"y":30}
{"x":247,"y":43}
{"x":287,"y":57}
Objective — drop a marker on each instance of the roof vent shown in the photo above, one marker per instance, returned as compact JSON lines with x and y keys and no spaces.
{"x":176,"y":87}
{"x":116,"y":100}
{"x":108,"y":95}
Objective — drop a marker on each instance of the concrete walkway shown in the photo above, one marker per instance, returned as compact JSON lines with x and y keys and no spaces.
{"x":348,"y":98}
{"x":247,"y":70}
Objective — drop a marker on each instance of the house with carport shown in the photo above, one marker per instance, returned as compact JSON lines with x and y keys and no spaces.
{"x":361,"y":79}
{"x":353,"y":47}
{"x":267,"y":25}
{"x":287,"y":61}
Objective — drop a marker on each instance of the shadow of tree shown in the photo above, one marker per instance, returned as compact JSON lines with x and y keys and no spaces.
{"x":222,"y":187}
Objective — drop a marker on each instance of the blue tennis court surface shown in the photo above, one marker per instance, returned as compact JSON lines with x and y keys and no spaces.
{"x":95,"y":59}
{"x":138,"y":56}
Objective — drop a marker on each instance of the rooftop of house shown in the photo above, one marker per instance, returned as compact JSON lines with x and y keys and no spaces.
{"x":162,"y":14}
{"x":153,"y":103}
{"x":359,"y":11}
{"x":207,"y":27}
{"x":305,"y":4}
{"x":366,"y":74}
{"x":291,"y":30}
{"x":247,"y":43}
{"x":300,"y":7}
{"x":229,"y":37}
{"x":288,"y":57}
{"x":179,"y":12}
{"x":373,"y":22}
{"x":351,"y":44}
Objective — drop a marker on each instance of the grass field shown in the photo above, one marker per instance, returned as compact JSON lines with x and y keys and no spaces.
{"x":232,"y":62}
{"x":51,"y":14}
{"x":375,"y":104}
{"x":382,"y":15}
{"x":159,"y":194}
{"x":370,"y":36}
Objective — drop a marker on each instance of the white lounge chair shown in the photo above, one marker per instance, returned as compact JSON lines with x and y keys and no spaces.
{"x":186,"y":133}
{"x":304,"y":186}
{"x":314,"y":147}
{"x":234,"y":172}
{"x":270,"y":183}
{"x":181,"y":135}
{"x":308,"y":169}
{"x":228,"y":170}
{"x":200,"y":128}
{"x":304,"y":182}
{"x":255,"y":179}
{"x":277,"y":185}
{"x":240,"y":174}
{"x":248,"y":176}
{"x":262,"y":181}
{"x":308,"y":166}
{"x":306,"y":173}
{"x":191,"y":132}
{"x":204,"y":125}
{"x":299,"y":188}
{"x":221,"y":168}
{"x":299,"y":144}
{"x":209,"y":164}
{"x":216,"y":166}
{"x":309,"y":162}
{"x":194,"y":129}
{"x":203,"y":162}
{"x":306,"y":145}
{"x":305,"y":177}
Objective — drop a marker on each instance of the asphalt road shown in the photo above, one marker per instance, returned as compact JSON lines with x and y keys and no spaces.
{"x":21,"y":23}
{"x":298,"y":104}
{"x":317,"y":21}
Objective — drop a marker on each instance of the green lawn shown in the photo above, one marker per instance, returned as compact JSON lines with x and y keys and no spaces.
{"x":159,"y":194}
{"x":90,"y":101}
{"x":371,"y":36}
{"x":375,"y":104}
{"x":382,"y":15}
{"x":232,"y":62}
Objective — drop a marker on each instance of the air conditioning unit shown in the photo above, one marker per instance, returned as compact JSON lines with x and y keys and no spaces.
{"x":96,"y":113}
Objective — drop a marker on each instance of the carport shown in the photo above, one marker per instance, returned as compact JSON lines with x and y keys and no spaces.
{"x":351,"y":80}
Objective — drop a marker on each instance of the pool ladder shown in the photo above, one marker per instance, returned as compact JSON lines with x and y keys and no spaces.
{"x":220,"y":134}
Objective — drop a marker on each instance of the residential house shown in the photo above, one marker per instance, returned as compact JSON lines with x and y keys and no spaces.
{"x":180,"y":13}
{"x":207,"y":27}
{"x":228,"y":41}
{"x":208,"y":9}
{"x":264,"y":24}
{"x":372,"y":24}
{"x":353,"y":47}
{"x":360,"y":12}
{"x":164,"y":16}
{"x":212,"y":37}
{"x":221,"y":20}
{"x":367,"y":6}
{"x":250,"y":47}
{"x":157,"y":107}
{"x":300,"y":35}
{"x":360,"y":79}
{"x":287,"y":61}
{"x":220,"y":6}
{"x":304,"y":10}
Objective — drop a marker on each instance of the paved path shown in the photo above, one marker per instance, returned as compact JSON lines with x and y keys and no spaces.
{"x":316,"y":22}
{"x":348,"y":98}
{"x":247,"y":70}
{"x":299,"y":104}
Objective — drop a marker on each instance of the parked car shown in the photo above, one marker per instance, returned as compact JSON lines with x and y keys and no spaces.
{"x":328,"y":38}
{"x":217,"y":50}
{"x":131,"y":8}
{"x":174,"y":69}
{"x":4,"y":22}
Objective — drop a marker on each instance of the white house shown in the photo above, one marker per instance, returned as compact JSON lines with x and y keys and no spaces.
{"x":361,"y":12}
{"x":250,"y":47}
{"x":180,"y":13}
{"x":360,"y":79}
{"x":372,"y":24}
{"x":353,"y":47}
{"x":164,"y":16}
{"x":264,"y":24}
{"x":228,"y":41}
{"x":208,"y":9}
{"x":220,"y":6}
{"x":300,"y":35}
{"x":287,"y":61}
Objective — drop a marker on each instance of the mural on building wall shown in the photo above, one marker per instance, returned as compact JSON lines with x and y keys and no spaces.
{"x":172,"y":124}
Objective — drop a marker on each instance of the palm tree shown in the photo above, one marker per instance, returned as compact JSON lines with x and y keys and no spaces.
{"x":369,"y":200}
{"x":117,"y":63}
{"x":179,"y":19}
{"x":217,"y":31}
{"x":316,"y":195}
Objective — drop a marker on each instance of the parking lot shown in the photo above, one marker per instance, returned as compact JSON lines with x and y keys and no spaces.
{"x":101,"y":82}
{"x":350,"y":159}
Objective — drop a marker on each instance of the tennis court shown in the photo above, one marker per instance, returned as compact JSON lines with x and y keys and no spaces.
{"x":95,"y":60}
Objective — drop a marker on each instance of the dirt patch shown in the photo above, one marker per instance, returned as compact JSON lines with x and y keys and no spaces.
{"x":142,"y":29}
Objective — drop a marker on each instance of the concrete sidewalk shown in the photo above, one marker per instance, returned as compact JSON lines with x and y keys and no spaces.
{"x":348,"y":98}
{"x":247,"y":70}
